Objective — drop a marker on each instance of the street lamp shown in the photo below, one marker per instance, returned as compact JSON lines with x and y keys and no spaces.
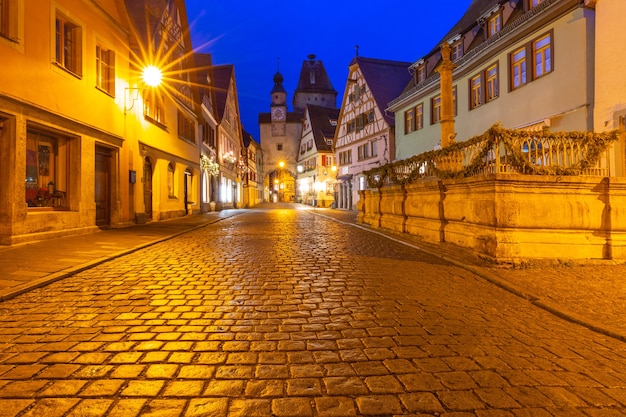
{"x":151,"y":76}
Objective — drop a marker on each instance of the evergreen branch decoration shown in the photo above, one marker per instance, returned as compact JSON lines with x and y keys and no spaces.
{"x":501,"y":150}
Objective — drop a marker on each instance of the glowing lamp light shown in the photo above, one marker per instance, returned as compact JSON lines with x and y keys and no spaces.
{"x":281,"y":164}
{"x":152,"y":76}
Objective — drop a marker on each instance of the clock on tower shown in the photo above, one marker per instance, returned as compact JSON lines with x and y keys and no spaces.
{"x":278,"y":114}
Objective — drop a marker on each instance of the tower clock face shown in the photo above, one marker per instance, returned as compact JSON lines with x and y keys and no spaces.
{"x":278,"y":113}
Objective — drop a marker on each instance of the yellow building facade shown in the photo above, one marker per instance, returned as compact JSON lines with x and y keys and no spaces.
{"x":84,"y":141}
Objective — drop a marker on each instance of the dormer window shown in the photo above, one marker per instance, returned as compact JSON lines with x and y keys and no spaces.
{"x":456,"y":50}
{"x":494,"y":24}
{"x":420,"y":73}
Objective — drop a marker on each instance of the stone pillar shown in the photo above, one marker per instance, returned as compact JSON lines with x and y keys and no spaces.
{"x":447,"y":100}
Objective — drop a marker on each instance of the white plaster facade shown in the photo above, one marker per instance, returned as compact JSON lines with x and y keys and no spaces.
{"x":561,"y":99}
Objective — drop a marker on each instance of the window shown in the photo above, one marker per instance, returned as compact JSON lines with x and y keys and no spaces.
{"x":436,"y":109}
{"x":419,"y":116}
{"x":170,"y":180}
{"x":105,"y":69}
{"x":153,"y":106}
{"x":351,"y":126}
{"x":518,"y":68}
{"x":4,"y":18}
{"x":540,"y":52}
{"x":484,"y":86}
{"x":208,"y":134}
{"x":279,"y":146}
{"x":535,"y":3}
{"x":457,"y":50}
{"x":414,"y":119}
{"x":494,"y":24}
{"x":435,"y":106}
{"x":364,"y":152}
{"x":345,"y":157}
{"x":327,"y":161}
{"x":47,"y":169}
{"x":409,"y":121}
{"x":360,"y":124}
{"x":492,"y":82}
{"x":8,"y":19}
{"x":476,"y":91}
{"x":186,"y":127}
{"x":68,"y":45}
{"x":542,"y":56}
{"x":421,"y":73}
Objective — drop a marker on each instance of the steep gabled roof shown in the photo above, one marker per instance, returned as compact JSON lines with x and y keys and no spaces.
{"x":469,"y":19}
{"x":204,"y":78}
{"x":313,"y":78}
{"x":222,"y":75}
{"x":323,"y":124}
{"x":385,"y":79}
{"x":247,"y":138}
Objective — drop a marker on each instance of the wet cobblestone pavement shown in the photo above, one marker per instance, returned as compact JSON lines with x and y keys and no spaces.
{"x":281,"y":312}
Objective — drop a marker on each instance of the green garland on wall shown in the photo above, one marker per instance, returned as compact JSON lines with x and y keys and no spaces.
{"x":590,"y":146}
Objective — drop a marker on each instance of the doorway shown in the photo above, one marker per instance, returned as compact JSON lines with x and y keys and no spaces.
{"x":102,"y":190}
{"x":147,"y":187}
{"x":187,"y":187}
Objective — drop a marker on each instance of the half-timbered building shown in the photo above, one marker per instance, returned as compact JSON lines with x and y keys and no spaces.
{"x":365,"y":134}
{"x":316,"y":160}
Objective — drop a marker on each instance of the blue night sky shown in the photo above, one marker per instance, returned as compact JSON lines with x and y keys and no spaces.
{"x":259,"y":36}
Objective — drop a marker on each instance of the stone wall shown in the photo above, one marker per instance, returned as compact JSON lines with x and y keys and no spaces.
{"x":508,"y":217}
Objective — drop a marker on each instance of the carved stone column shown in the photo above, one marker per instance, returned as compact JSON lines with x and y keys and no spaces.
{"x":447,"y":100}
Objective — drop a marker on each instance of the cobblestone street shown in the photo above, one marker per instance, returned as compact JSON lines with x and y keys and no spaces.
{"x":280,"y":312}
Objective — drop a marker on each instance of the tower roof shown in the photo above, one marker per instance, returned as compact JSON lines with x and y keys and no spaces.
{"x":313,"y":78}
{"x":278,"y":83}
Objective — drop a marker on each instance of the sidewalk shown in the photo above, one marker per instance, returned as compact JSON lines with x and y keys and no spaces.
{"x":591,"y":295}
{"x":31,"y":265}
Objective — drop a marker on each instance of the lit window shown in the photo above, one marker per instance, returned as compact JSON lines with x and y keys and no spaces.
{"x":68,"y":45}
{"x":476,"y":91}
{"x":457,"y":51}
{"x":518,"y":68}
{"x":494,"y":24}
{"x":47,"y":169}
{"x":153,"y":106}
{"x":105,"y":69}
{"x":492,"y":83}
{"x":542,"y":56}
{"x":419,"y":116}
{"x":535,"y":3}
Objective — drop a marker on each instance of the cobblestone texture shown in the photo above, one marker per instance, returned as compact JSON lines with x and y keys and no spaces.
{"x":286,"y":313}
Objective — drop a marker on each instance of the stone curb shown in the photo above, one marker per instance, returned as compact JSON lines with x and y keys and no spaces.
{"x":57,"y":276}
{"x":549,"y":306}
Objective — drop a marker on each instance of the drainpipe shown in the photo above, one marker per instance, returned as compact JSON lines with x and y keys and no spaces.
{"x":447,"y":101}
